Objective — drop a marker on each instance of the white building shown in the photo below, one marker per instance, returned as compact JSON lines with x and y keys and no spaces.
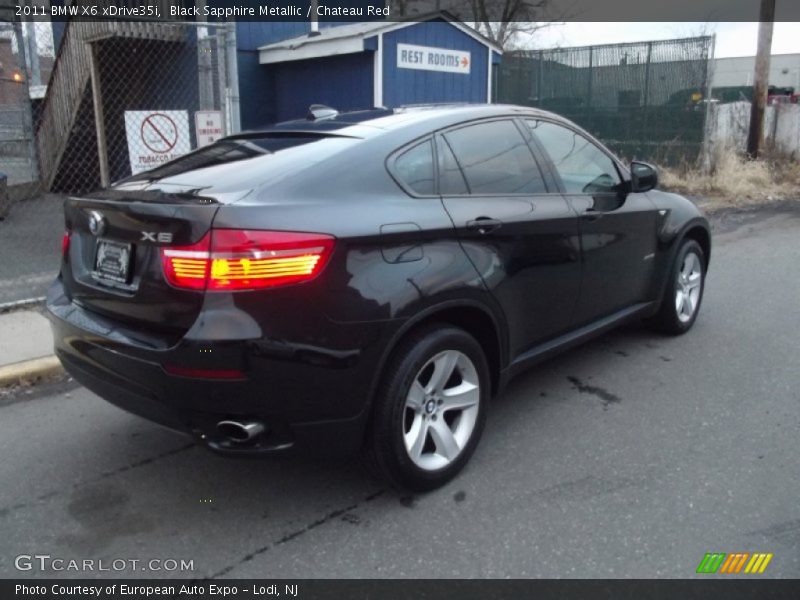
{"x":784,"y":71}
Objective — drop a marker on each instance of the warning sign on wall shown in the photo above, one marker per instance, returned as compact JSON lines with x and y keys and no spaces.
{"x":207,"y":127}
{"x":156,"y":137}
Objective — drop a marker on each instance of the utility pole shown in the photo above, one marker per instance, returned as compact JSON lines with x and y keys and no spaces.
{"x":761,"y":81}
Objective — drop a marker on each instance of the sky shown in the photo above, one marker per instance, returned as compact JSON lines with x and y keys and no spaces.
{"x":733,"y":39}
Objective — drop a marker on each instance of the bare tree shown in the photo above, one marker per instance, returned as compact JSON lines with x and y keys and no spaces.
{"x":502,"y":20}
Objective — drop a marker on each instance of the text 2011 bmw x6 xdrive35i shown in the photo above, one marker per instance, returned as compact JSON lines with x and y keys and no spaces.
{"x":365,"y":280}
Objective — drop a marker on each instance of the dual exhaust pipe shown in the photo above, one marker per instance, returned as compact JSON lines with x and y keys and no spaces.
{"x":240,"y":431}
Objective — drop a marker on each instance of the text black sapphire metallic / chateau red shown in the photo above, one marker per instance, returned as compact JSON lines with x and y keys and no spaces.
{"x":365,"y":281}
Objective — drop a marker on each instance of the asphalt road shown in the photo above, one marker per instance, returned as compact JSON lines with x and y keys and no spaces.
{"x":630,"y":457}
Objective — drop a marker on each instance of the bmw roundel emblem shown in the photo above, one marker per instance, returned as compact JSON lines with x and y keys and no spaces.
{"x":97,"y":223}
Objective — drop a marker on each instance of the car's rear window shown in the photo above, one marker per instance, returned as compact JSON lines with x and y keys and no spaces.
{"x":228,"y":151}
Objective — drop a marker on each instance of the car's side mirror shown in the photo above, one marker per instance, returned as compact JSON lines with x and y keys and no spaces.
{"x":644,"y":177}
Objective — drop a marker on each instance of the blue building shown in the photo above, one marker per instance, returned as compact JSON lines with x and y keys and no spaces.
{"x":286,"y":67}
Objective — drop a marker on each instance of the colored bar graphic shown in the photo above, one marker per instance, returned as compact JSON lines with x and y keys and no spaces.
{"x":711,"y":562}
{"x":728,"y":562}
{"x":720,"y":562}
{"x":758,"y":563}
{"x":735,"y":562}
{"x":741,"y":562}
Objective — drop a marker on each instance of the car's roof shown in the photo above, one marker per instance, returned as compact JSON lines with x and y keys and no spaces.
{"x":370,"y":123}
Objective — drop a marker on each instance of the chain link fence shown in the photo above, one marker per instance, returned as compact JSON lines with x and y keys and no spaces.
{"x":125,"y":96}
{"x":645,"y":100}
{"x":87,"y":103}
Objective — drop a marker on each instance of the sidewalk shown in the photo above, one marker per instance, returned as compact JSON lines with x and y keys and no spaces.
{"x":26,"y":352}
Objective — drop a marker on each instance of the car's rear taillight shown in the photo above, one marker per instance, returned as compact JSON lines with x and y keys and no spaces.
{"x":65,"y":244}
{"x":240,"y":259}
{"x":187,"y":266}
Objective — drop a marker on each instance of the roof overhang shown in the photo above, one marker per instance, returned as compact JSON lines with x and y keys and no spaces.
{"x":332,"y":47}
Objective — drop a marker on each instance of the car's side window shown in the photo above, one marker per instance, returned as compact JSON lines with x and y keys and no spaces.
{"x":583,"y":167}
{"x":415,"y":168}
{"x":451,"y":179}
{"x":495,"y":159}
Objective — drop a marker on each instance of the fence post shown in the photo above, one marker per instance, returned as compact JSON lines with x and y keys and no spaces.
{"x":591,"y":74}
{"x":539,"y":79}
{"x":233,"y":78}
{"x":647,"y":74}
{"x":772,"y":137}
{"x":205,"y":74}
{"x":99,"y":119}
{"x":223,"y":78}
{"x":707,"y":146}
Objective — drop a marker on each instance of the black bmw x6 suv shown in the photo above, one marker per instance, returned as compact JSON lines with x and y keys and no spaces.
{"x":365,"y":280}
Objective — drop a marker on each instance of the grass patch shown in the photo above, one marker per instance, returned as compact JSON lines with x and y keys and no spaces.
{"x":735,"y":180}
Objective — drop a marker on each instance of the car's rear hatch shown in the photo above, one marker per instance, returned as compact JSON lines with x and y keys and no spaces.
{"x":114,"y":263}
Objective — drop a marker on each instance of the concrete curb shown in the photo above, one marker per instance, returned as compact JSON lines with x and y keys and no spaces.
{"x":27,"y":304}
{"x":30,"y":370}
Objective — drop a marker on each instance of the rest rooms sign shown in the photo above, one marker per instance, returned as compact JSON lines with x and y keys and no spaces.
{"x":156,"y":137}
{"x":426,"y":58}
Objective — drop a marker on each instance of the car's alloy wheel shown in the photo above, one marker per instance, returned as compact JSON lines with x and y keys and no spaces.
{"x":684,"y":290}
{"x":441,"y":410}
{"x":687,"y":287}
{"x":430,"y":408}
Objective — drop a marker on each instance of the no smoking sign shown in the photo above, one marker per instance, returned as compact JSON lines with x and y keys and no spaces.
{"x":159,"y":133}
{"x":156,"y":137}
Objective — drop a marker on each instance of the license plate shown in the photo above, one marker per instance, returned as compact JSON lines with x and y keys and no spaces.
{"x":113,"y":261}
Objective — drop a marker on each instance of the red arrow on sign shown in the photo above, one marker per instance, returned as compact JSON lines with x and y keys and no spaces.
{"x":464,"y":62}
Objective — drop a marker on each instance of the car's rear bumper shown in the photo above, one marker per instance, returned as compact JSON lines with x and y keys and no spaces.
{"x":305,"y":402}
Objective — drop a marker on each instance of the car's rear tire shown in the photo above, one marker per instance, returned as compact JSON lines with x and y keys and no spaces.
{"x":430,"y":409}
{"x":684,"y":291}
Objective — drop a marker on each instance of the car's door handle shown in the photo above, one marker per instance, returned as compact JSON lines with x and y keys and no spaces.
{"x":484,"y":225}
{"x":592,"y":214}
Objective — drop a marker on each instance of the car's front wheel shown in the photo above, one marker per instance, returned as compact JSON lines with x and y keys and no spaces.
{"x":430,"y":408}
{"x":684,"y":291}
